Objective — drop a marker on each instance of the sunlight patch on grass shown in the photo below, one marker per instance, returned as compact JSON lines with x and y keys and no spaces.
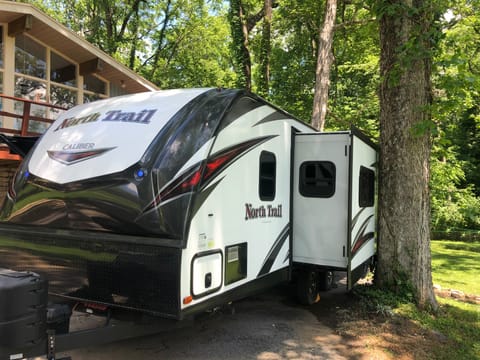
{"x":457,"y":322}
{"x":456,"y":265}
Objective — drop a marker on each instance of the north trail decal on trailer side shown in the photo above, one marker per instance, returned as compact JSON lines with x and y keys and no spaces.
{"x":262,"y":211}
{"x":141,"y":117}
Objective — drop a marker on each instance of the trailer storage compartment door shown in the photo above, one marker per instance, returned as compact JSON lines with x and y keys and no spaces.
{"x":320,"y":199}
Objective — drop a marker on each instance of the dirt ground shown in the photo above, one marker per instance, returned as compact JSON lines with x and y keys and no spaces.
{"x":272,"y":326}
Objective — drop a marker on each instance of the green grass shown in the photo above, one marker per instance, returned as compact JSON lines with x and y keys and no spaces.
{"x":459,"y":322}
{"x":456,"y":265}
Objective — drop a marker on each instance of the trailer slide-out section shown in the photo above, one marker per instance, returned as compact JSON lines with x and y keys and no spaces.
{"x":334,"y":196}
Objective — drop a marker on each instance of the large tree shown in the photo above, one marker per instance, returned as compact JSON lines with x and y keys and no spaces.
{"x":406,"y":34}
{"x":243,"y":17}
{"x":324,"y":64}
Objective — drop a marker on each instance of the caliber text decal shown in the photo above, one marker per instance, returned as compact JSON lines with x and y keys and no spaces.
{"x":262,"y":211}
{"x":79,"y":146}
{"x":140,"y":117}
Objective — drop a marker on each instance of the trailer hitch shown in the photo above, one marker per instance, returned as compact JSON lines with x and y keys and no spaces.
{"x":51,"y":346}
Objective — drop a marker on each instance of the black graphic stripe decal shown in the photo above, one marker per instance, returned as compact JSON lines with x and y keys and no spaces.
{"x":273,"y":253}
{"x":203,"y":173}
{"x":275,"y":116}
{"x":362,"y":238}
{"x":355,"y":219}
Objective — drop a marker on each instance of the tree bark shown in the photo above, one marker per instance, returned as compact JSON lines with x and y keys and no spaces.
{"x":405,"y":96}
{"x":324,"y":64}
{"x":240,"y":27}
{"x":265,"y":51}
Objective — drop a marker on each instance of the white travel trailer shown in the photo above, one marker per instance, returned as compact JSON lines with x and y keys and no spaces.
{"x":176,"y":201}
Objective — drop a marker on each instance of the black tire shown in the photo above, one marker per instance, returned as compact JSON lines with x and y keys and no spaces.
{"x":307,"y":287}
{"x":325,"y":280}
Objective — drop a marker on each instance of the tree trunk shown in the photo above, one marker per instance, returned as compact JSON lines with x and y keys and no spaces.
{"x":263,"y":86}
{"x":246,"y":62}
{"x":405,"y":96}
{"x":240,"y":30}
{"x":324,"y":63}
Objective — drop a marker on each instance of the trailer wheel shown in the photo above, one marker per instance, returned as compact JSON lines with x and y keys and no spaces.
{"x":325,"y":280}
{"x":307,"y":287}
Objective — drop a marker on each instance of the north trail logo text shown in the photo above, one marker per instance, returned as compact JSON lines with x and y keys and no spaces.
{"x":140,"y":117}
{"x":262,"y":211}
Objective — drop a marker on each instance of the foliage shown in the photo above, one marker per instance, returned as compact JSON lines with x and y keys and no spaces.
{"x":453,"y":206}
{"x":382,"y":302}
{"x":295,"y":27}
{"x":355,"y":77}
{"x":456,"y":153}
{"x":173,"y":43}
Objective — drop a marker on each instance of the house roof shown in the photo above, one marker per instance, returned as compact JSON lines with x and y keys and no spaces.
{"x":67,"y":42}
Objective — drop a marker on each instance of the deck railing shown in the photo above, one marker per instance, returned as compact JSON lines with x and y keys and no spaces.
{"x":26,"y":116}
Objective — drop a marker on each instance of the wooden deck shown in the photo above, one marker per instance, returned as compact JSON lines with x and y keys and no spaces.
{"x":9,"y":161}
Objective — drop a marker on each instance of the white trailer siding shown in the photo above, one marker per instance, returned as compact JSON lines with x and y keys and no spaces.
{"x":234,"y":218}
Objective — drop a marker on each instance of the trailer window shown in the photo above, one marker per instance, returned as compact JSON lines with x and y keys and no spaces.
{"x":268,"y":171}
{"x":317,"y":179}
{"x":366,"y":187}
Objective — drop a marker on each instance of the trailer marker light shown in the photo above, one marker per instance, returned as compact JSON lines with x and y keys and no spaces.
{"x":140,"y":174}
{"x":26,"y":174}
{"x":187,"y":300}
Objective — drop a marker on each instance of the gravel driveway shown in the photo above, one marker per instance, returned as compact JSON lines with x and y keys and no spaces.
{"x":269,"y":326}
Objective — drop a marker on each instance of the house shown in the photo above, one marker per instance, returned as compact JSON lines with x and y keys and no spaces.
{"x":46,"y":68}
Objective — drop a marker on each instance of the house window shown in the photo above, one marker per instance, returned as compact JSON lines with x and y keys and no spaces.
{"x":63,"y":96}
{"x":268,"y":170}
{"x":94,"y":84}
{"x":62,"y":71}
{"x":366,"y":187}
{"x":30,"y":57}
{"x":31,"y":78}
{"x":317,"y":179}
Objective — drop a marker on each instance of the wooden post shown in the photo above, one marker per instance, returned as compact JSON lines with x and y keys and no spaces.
{"x":25,"y":118}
